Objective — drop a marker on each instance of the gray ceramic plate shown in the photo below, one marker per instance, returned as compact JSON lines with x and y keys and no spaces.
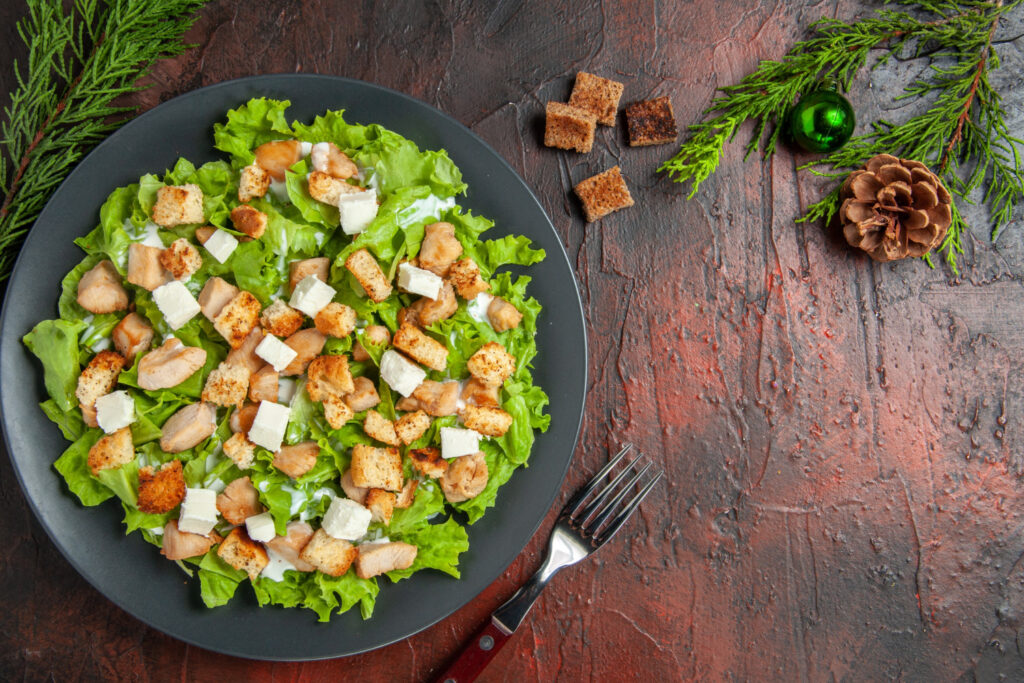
{"x":131,"y":572}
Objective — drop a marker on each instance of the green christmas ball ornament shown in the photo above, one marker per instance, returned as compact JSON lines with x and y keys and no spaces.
{"x":822,"y":121}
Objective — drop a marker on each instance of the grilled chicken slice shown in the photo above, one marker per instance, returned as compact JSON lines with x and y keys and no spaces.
{"x":356,"y":493}
{"x":440,"y":248}
{"x":100,"y":289}
{"x":435,"y":398}
{"x":465,"y":478}
{"x":188,"y":427}
{"x":289,"y":546}
{"x":170,"y":365}
{"x":375,"y":559}
{"x":239,"y":501}
{"x":278,"y":156}
{"x":132,"y":335}
{"x":298,"y":459}
{"x":180,"y":544}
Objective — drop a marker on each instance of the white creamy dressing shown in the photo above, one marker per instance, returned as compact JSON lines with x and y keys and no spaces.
{"x":298,"y":499}
{"x":477,"y":308}
{"x":280,"y":190}
{"x":277,"y":566}
{"x":320,"y":493}
{"x":424,"y":209}
{"x":102,"y":344}
{"x":262,"y":486}
{"x":217,"y":485}
{"x":306,"y":147}
{"x":377,"y":541}
{"x":156,"y":531}
{"x":148,"y":234}
{"x":367,"y":177}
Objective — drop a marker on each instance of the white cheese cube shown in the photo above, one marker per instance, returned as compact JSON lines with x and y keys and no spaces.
{"x":419,"y":281}
{"x":221,"y":244}
{"x":457,"y":442}
{"x":311,"y":295}
{"x":268,"y":428}
{"x":176,"y":303}
{"x":260,"y":527}
{"x":198,"y":511}
{"x":357,"y":211}
{"x":346,"y":519}
{"x":114,"y":411}
{"x":275,"y":352}
{"x":400,"y":373}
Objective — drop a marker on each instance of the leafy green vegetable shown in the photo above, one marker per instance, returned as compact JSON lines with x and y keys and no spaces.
{"x":55,"y":344}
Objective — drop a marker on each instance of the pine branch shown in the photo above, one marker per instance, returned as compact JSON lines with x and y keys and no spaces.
{"x":963,"y":126}
{"x":79,"y":62}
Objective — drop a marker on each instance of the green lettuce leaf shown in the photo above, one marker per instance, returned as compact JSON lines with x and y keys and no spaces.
{"x":73,"y":466}
{"x":257,"y":121}
{"x":55,"y":344}
{"x":438,"y":547}
{"x":217,"y":579}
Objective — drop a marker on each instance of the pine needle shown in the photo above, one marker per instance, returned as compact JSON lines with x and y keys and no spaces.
{"x":962,"y":135}
{"x":80,"y":60}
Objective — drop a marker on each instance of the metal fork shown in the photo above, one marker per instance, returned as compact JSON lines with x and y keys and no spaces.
{"x":586,"y":523}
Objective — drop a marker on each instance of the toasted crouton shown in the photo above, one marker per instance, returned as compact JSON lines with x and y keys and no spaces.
{"x":252,"y":222}
{"x":178,"y":204}
{"x":372,"y":334}
{"x":375,"y":559}
{"x":300,"y":270}
{"x":161,"y":491}
{"x":227,"y":385}
{"x":236,"y":320}
{"x":280,"y":319}
{"x":567,"y":127}
{"x":239,"y":501}
{"x":215,"y":296}
{"x":111,"y":451}
{"x":364,"y":267}
{"x":412,"y":426}
{"x":381,"y":505}
{"x":254,"y":182}
{"x":379,"y":468}
{"x":599,"y":96}
{"x":603,"y":193}
{"x":296,"y":460}
{"x":491,"y":363}
{"x":364,"y":395}
{"x":336,"y":320}
{"x":329,"y":376}
{"x":99,"y":377}
{"x":100,"y":289}
{"x":307,"y":345}
{"x":407,"y":495}
{"x":380,"y":428}
{"x":336,"y":412}
{"x":487,"y":421}
{"x":328,"y":189}
{"x":144,"y":268}
{"x":181,"y":259}
{"x":439,"y":249}
{"x":264,"y":385}
{"x":428,"y":461}
{"x":241,"y":552}
{"x":502,"y":315}
{"x":420,"y":347}
{"x":240,"y":450}
{"x":332,"y":556}
{"x":651,"y":122}
{"x":465,"y":277}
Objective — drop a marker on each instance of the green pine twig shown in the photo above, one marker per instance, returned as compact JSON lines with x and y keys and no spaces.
{"x":80,"y":60}
{"x":962,"y":134}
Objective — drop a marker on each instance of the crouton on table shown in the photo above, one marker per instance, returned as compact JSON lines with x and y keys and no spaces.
{"x":651,"y":122}
{"x":568,"y":127}
{"x":599,"y":96}
{"x":603,"y":193}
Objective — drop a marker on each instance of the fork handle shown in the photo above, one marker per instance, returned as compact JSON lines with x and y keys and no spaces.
{"x":475,"y":657}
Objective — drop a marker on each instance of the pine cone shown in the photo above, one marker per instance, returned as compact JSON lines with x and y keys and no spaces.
{"x":894,"y":208}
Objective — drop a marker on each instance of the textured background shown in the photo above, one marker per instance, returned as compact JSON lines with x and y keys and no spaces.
{"x":843,"y":440}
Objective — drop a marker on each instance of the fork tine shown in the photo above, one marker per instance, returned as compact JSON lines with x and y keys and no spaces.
{"x":620,"y":519}
{"x":591,"y":527}
{"x":605,"y":492}
{"x":576,"y":501}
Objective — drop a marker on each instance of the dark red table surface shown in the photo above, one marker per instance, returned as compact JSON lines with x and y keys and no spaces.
{"x":842,"y":440}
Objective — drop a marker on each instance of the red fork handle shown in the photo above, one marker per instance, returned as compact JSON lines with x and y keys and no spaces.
{"x":477,"y":654}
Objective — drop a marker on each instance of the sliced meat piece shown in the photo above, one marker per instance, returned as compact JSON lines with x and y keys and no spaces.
{"x":307,"y":344}
{"x":242,"y":419}
{"x":374,"y":334}
{"x":503,"y":315}
{"x":132,"y":335}
{"x":144,"y":269}
{"x":479,"y":393}
{"x":328,"y":158}
{"x":216,"y":294}
{"x":170,"y":365}
{"x":188,"y":427}
{"x":425,"y":312}
{"x":465,"y":478}
{"x":239,"y":501}
{"x":440,"y":248}
{"x":299,"y":270}
{"x":250,"y":221}
{"x":356,"y":493}
{"x":179,"y":545}
{"x":263,"y":385}
{"x":435,"y":398}
{"x":296,"y":460}
{"x":278,"y":156}
{"x":375,"y":559}
{"x":363,"y":395}
{"x":245,"y":355}
{"x":100,"y":289}
{"x":290,"y":545}
{"x":465,"y":277}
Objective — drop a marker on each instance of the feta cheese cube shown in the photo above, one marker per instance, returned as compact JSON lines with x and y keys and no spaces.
{"x":357,"y":211}
{"x":268,"y":428}
{"x":457,"y":442}
{"x":311,"y":295}
{"x":176,"y":303}
{"x":260,"y":527}
{"x":400,"y":373}
{"x":275,"y":352}
{"x":115,"y":411}
{"x":221,"y":244}
{"x":346,"y":519}
{"x":419,"y":281}
{"x":198,"y":511}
